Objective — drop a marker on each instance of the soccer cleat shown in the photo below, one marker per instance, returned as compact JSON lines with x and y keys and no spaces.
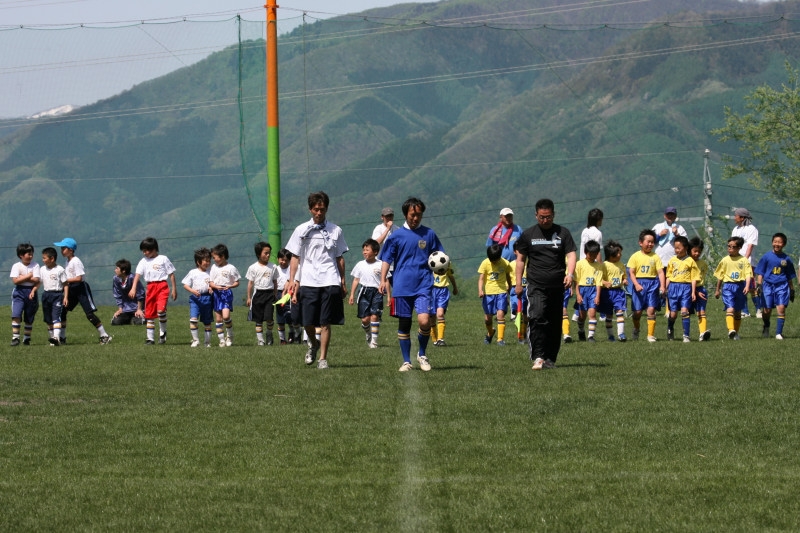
{"x":591,"y":338}
{"x":62,"y":341}
{"x":228,"y":341}
{"x":581,"y":336}
{"x":501,"y":343}
{"x":15,"y":341}
{"x":706,"y":335}
{"x":651,"y":338}
{"x":538,"y":364}
{"x":765,"y":332}
{"x":26,"y":341}
{"x":567,"y":339}
{"x":311,"y":354}
{"x":737,"y":337}
{"x":611,"y":338}
{"x":686,"y":338}
{"x":54,"y":342}
{"x":105,"y":339}
{"x":406,"y":367}
{"x":208,"y":345}
{"x":162,"y":339}
{"x":548,"y":364}
{"x":622,"y":337}
{"x":373,"y":345}
{"x":759,"y":314}
{"x":270,"y":340}
{"x":149,"y":342}
{"x":323,"y":364}
{"x":488,"y":339}
{"x":636,"y":334}
{"x":222,"y":343}
{"x":262,"y":343}
{"x":732,"y":334}
{"x":745,"y":315}
{"x":424,"y":365}
{"x":670,"y":335}
{"x":195,"y":344}
{"x":779,"y":337}
{"x":283,"y":343}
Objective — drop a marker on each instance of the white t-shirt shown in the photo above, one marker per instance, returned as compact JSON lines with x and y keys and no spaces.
{"x":224,"y":276}
{"x":262,"y":276}
{"x":592,"y":233}
{"x":380,"y":228}
{"x":750,"y":235}
{"x":318,"y":250}
{"x":368,"y":274}
{"x":283,"y":277}
{"x":198,"y":280}
{"x":21,"y":270}
{"x":665,"y":246}
{"x":156,"y":268}
{"x":53,"y":279}
{"x":75,"y":269}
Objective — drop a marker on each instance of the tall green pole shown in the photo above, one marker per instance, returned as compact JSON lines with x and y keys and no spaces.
{"x":274,"y":225}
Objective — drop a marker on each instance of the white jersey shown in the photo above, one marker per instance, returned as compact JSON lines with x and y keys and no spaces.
{"x":590,"y":234}
{"x":750,"y":235}
{"x":224,"y":276}
{"x":318,"y":251}
{"x":22,"y":270}
{"x":368,"y":274}
{"x":156,"y":268}
{"x":75,"y":269}
{"x":53,"y":279}
{"x":283,"y":277}
{"x":264,"y":277}
{"x":198,"y":280}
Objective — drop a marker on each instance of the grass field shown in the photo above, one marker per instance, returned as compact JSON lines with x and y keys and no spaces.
{"x":620,"y":437}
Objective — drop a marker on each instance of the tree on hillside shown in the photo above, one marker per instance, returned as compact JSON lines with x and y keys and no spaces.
{"x":769,"y":140}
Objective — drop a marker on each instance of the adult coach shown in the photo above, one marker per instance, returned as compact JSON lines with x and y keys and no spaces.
{"x":665,"y":235}
{"x":318,"y":249}
{"x":386,"y":227}
{"x":546,"y":247}
{"x":747,"y":231}
{"x":505,"y":233}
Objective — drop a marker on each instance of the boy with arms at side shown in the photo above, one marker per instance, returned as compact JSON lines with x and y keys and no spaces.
{"x":79,"y":291}
{"x":775,"y":273}
{"x":129,"y":310}
{"x":587,"y":283}
{"x":408,"y":249}
{"x":224,"y":277}
{"x":494,"y":281}
{"x":262,"y":292}
{"x":441,"y":301}
{"x":733,"y":280}
{"x":367,"y":273}
{"x":647,"y":277}
{"x":282,"y":314}
{"x":24,"y":300}
{"x":613,"y":298}
{"x":155,"y":270}
{"x":54,"y":296}
{"x":701,"y":300}
{"x":682,"y":278}
{"x":201,"y":305}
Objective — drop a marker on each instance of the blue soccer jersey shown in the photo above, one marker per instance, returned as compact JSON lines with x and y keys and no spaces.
{"x":408,"y":250}
{"x":776,"y":268}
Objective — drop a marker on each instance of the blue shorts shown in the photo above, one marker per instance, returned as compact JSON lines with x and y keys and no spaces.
{"x":588,"y":294}
{"x":404,"y":306}
{"x":567,"y":294}
{"x":733,"y":296}
{"x":612,"y":300}
{"x":514,"y":305}
{"x":492,"y":303}
{"x":370,"y":302}
{"x":223,"y":299}
{"x":648,"y":297}
{"x":22,"y":306}
{"x":680,"y":296}
{"x":773,"y":294}
{"x":52,"y":302}
{"x":202,"y":308}
{"x":441,"y":297}
{"x":700,"y":303}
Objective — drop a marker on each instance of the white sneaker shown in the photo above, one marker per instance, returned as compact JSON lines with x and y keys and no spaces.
{"x":323,"y":364}
{"x":406,"y":367}
{"x":424,"y":365}
{"x":651,"y":338}
{"x":195,"y":344}
{"x":575,"y":317}
{"x":208,"y":345}
{"x":228,"y":342}
{"x":779,"y":337}
{"x":759,"y":314}
{"x":686,"y":338}
{"x":732,"y":334}
{"x":373,"y":345}
{"x":538,"y":364}
{"x":222,"y":343}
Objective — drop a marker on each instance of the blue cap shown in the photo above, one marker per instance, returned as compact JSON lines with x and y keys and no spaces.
{"x":69,"y":242}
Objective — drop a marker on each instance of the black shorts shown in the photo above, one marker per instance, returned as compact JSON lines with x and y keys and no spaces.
{"x":261,"y":307}
{"x":79,"y":293}
{"x":370,"y":302}
{"x":321,"y":306}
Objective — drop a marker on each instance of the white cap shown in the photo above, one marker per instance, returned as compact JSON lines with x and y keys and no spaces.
{"x":506,"y":211}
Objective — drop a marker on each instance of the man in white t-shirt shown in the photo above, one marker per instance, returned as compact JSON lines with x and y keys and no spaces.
{"x":747,"y":231}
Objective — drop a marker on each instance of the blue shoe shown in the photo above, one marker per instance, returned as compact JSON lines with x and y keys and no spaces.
{"x":611,"y":338}
{"x":622,"y":337}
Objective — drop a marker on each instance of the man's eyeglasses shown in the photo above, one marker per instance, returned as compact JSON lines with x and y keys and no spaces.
{"x":544,"y":217}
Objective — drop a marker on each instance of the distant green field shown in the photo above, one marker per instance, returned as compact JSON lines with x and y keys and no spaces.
{"x":620,"y":437}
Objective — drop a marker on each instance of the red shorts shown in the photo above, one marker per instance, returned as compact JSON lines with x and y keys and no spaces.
{"x":155,"y":299}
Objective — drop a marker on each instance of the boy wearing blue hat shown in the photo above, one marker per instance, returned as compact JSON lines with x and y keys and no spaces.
{"x":79,"y":291}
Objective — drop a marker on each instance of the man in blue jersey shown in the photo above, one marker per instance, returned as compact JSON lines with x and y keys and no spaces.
{"x":408,"y":249}
{"x":546,"y":248}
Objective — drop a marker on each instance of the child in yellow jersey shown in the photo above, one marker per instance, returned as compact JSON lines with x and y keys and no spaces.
{"x":701,"y":295}
{"x":494,"y":280}
{"x":682,"y":277}
{"x":613,"y":299}
{"x":441,"y":299}
{"x":733,"y":274}
{"x":588,"y":280}
{"x":646,"y":274}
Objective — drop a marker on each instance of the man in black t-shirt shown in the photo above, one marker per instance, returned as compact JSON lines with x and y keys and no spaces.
{"x":548,"y":249}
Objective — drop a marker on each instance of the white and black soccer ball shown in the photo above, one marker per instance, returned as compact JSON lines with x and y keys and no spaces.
{"x":439,"y":263}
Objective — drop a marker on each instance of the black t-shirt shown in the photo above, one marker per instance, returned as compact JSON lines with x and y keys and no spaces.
{"x":546,"y":251}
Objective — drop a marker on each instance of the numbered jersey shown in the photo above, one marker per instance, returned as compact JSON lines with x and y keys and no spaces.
{"x":614,"y":273}
{"x":644,"y":265}
{"x":588,"y":274}
{"x":733,"y":269}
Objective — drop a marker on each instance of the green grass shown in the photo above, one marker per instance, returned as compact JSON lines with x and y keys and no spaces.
{"x":623,"y":437}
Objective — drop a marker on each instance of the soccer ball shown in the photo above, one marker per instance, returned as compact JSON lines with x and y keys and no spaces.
{"x":439,"y":262}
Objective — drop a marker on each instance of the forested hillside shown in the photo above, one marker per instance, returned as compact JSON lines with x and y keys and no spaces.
{"x":470,"y":105}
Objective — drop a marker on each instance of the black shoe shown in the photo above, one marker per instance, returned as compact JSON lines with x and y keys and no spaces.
{"x":581,"y":336}
{"x":26,"y":342}
{"x":149,"y":342}
{"x":162,"y":339}
{"x":15,"y":341}
{"x":54,"y":342}
{"x":62,"y":341}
